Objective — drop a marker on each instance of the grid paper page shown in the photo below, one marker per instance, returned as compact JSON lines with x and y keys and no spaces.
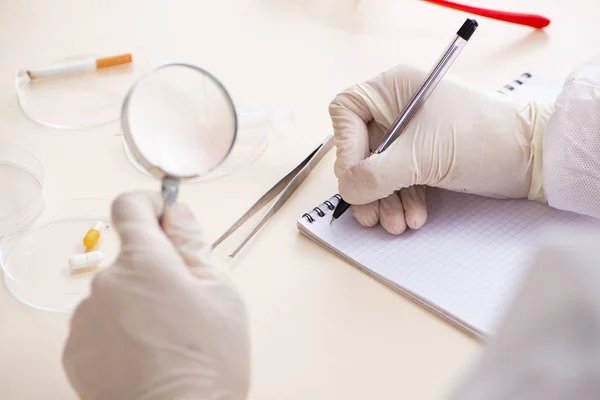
{"x":465,"y":263}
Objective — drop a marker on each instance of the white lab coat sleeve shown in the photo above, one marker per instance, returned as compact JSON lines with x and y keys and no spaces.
{"x":548,"y":345}
{"x":571,"y":144}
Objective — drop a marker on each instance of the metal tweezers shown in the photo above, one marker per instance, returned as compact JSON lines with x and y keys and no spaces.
{"x":282,"y":190}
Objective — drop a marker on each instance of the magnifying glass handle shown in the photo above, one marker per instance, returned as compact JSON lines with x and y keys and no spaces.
{"x":169,"y":190}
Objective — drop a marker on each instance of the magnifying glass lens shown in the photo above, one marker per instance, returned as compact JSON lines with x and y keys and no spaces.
{"x":179,"y":121}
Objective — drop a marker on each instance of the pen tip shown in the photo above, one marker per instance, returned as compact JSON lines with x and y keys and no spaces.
{"x":331,"y":221}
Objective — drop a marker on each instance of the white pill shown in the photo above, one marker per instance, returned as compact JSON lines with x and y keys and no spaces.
{"x":86,"y":259}
{"x":99,"y":226}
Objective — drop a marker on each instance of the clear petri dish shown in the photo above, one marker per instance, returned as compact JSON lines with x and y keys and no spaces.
{"x":22,"y":195}
{"x":255,"y":127}
{"x":35,"y":260}
{"x":80,"y":100}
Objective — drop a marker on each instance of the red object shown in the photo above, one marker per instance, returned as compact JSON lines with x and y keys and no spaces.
{"x":533,"y":20}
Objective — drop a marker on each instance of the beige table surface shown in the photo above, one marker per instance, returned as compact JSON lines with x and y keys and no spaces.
{"x":321,"y":329}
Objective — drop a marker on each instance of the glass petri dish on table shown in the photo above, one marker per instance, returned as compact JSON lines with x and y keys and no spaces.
{"x":255,"y":128}
{"x":22,"y":181}
{"x":78,"y":100}
{"x":35,"y":260}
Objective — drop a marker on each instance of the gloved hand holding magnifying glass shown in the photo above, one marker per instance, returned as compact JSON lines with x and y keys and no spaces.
{"x":165,"y":321}
{"x":179,"y":122}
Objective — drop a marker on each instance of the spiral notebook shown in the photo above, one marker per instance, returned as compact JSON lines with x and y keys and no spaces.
{"x":465,"y":263}
{"x":533,"y":86}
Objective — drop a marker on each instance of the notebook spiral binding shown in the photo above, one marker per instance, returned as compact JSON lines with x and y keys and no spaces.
{"x":517,"y":82}
{"x":318,"y":211}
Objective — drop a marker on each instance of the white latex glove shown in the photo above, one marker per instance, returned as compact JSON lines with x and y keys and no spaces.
{"x":462,"y":139}
{"x":548,"y":345}
{"x":164,"y":322}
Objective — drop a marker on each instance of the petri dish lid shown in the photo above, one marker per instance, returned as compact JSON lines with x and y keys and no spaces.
{"x":35,"y":260}
{"x":80,"y":100}
{"x":255,"y":127}
{"x":22,"y":195}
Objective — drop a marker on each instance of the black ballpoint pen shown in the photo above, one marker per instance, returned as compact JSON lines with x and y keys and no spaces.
{"x":420,"y":96}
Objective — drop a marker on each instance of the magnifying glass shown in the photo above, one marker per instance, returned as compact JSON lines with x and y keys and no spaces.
{"x":179,"y":123}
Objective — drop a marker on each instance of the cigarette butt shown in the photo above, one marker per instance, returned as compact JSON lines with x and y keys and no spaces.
{"x":114,"y":60}
{"x":78,"y":67}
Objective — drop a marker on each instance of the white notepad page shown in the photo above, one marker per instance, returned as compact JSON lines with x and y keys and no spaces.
{"x":464,"y":264}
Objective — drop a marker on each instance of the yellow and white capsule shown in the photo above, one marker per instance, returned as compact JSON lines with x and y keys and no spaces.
{"x":92,"y":236}
{"x":85,"y":260}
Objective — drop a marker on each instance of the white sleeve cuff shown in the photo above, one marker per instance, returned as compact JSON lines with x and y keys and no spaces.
{"x":536,"y":189}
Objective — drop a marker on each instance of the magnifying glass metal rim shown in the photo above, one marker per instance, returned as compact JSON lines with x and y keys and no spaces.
{"x":170,"y":184}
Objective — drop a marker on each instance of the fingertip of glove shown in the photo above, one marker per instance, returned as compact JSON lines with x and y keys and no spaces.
{"x":178,"y":219}
{"x":416,"y":219}
{"x":179,"y":210}
{"x":415,"y":207}
{"x":137,"y":206}
{"x":395,"y":225}
{"x":334,"y":105}
{"x":367,"y":214}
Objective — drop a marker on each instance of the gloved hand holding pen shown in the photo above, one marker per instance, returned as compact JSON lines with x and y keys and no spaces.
{"x":462,"y":139}
{"x":465,"y":140}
